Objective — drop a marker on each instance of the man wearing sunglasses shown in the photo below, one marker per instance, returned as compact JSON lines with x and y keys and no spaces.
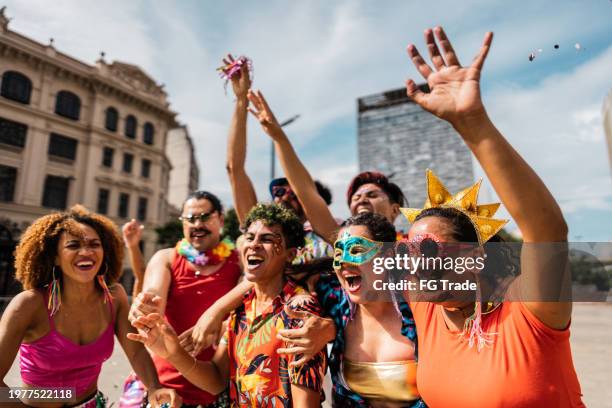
{"x":181,"y":283}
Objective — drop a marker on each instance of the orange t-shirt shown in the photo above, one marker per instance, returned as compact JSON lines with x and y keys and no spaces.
{"x":528,"y":365}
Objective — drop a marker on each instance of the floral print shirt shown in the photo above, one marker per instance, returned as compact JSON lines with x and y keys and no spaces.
{"x":259,"y":376}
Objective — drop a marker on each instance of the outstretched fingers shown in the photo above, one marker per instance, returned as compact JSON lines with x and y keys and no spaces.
{"x":255,"y":100}
{"x":484,"y":51}
{"x":447,"y":47}
{"x":434,"y":52}
{"x":418,"y":61}
{"x":137,"y":337}
{"x":264,"y":103}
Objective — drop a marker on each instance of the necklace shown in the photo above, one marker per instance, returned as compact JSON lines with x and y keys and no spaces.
{"x":213,"y":256}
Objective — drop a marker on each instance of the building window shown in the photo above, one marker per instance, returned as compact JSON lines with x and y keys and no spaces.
{"x":145,"y":169}
{"x":55,"y":194}
{"x":107,"y":157}
{"x":68,"y":105}
{"x":8,"y":179}
{"x":13,"y":133}
{"x":124,"y":205}
{"x":130,"y":127}
{"x":111,"y":118}
{"x":128,"y":160}
{"x":62,"y":146}
{"x":16,"y":87}
{"x":149,"y":133}
{"x":103,"y":195}
{"x":142,"y":208}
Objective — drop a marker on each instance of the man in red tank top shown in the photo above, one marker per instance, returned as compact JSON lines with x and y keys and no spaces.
{"x":183,"y":282}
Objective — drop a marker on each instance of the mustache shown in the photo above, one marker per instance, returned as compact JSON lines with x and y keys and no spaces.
{"x":201,"y":229}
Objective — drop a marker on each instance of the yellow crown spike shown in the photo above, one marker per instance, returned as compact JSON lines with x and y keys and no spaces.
{"x":467,"y":198}
{"x":465,"y":201}
{"x":487,"y":210}
{"x":436,"y":192}
{"x":487,"y":227}
{"x":411,"y":213}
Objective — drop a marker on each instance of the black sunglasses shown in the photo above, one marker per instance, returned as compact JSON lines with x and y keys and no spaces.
{"x":203,"y":217}
{"x":281,"y":191}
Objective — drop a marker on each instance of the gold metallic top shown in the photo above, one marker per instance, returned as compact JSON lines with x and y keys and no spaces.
{"x":464,"y":201}
{"x":393,"y":381}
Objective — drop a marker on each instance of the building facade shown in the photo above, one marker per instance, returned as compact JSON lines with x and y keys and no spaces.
{"x":77,"y":133}
{"x":185,"y":173}
{"x":401,"y":140}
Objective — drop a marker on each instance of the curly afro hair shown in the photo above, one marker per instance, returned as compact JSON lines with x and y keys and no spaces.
{"x":35,"y":255}
{"x":272,"y":214}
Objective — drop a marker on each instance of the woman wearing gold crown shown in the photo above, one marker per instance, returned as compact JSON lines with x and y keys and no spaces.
{"x":522,"y":355}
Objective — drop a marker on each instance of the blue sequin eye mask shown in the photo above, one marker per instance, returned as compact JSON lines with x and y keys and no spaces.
{"x":354,"y":250}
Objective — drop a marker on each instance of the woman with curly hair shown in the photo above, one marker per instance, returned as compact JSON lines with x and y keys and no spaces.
{"x":64,"y":322}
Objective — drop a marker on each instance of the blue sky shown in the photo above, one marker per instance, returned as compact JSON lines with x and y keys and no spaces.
{"x":315,"y":58}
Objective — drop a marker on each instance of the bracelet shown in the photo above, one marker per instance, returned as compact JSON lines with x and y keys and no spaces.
{"x":195,"y":362}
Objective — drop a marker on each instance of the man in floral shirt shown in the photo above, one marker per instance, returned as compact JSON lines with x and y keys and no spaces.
{"x":247,"y":357}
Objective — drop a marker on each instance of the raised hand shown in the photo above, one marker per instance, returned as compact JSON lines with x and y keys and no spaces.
{"x":454,"y":89}
{"x":132,"y":233}
{"x":156,"y":335}
{"x":261,"y":110}
{"x":240,"y":83}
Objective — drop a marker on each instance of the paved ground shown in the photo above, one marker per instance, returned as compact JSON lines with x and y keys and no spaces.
{"x":591,"y":346}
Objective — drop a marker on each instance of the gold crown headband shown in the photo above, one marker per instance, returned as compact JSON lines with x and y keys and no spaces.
{"x":464,"y":201}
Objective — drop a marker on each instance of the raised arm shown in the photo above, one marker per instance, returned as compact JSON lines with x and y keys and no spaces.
{"x":242,"y":188}
{"x":455,"y":97}
{"x":132,"y":234}
{"x":301,"y":182}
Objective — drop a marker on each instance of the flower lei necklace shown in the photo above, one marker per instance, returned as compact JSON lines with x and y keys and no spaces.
{"x":212,"y":256}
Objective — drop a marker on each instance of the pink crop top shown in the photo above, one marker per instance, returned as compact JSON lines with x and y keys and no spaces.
{"x":56,"y":361}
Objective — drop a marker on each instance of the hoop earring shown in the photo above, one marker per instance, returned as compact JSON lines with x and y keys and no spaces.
{"x":102,"y":283}
{"x":54,"y":295}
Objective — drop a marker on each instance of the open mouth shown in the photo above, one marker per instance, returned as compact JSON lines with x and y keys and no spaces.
{"x":253,"y":261}
{"x":362,"y":209}
{"x":353,"y":282}
{"x":85,"y":265}
{"x":199,"y":233}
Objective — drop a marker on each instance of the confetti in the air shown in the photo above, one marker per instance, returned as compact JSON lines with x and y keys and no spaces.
{"x":578,"y":46}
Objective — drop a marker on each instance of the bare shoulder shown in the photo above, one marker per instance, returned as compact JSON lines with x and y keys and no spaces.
{"x":26,"y":303}
{"x":162,"y":257}
{"x":26,"y":311}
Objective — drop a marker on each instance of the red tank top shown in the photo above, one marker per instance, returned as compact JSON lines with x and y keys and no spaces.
{"x":189,"y":296}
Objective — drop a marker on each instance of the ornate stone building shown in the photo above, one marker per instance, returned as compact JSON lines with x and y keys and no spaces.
{"x":73,"y":133}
